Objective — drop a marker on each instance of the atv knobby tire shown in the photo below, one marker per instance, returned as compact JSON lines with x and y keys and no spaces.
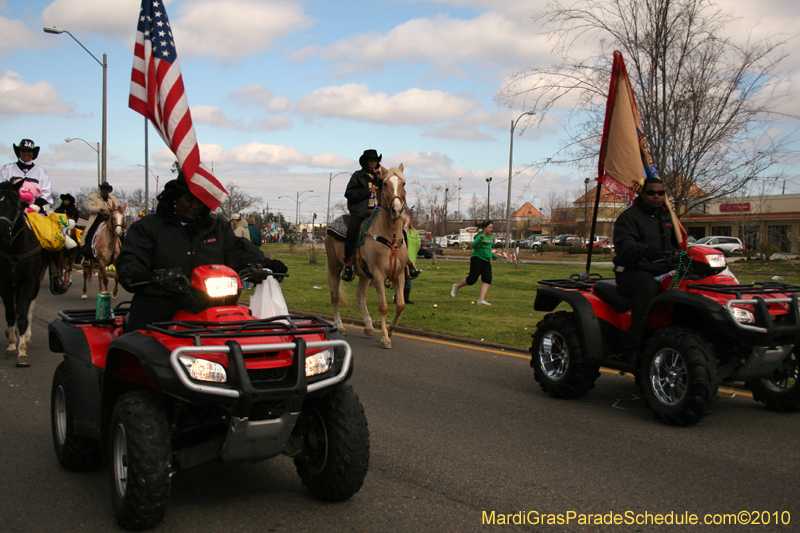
{"x":678,"y":375}
{"x":335,"y":459}
{"x":140,"y":460}
{"x":783,"y":394}
{"x":557,"y":357}
{"x":74,"y":452}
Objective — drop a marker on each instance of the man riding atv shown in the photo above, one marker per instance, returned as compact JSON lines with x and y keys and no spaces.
{"x":643,"y":238}
{"x":181,"y":234}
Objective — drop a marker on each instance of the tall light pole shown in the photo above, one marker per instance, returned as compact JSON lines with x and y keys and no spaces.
{"x":510,"y":161}
{"x":298,"y":202}
{"x":328,"y":211}
{"x":146,"y":188}
{"x":99,"y":177}
{"x":459,"y":200}
{"x":488,"y":195}
{"x":446,"y":190}
{"x":586,"y":207}
{"x":104,"y":64}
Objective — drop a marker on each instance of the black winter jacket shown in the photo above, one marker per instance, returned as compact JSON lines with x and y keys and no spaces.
{"x":357,"y":191}
{"x":640,"y":231}
{"x":160,"y":241}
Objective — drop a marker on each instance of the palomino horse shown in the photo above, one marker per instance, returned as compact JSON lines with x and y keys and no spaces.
{"x":22,"y":266}
{"x":381,"y":259}
{"x":106,"y":251}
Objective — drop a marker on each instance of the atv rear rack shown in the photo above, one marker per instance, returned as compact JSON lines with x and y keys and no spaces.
{"x":573,"y":282}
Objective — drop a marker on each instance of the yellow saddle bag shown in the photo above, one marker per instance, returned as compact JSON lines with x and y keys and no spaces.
{"x":48,"y":230}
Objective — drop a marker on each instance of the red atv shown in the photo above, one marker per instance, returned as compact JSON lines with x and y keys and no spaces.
{"x":215,"y":383}
{"x":709,"y":329}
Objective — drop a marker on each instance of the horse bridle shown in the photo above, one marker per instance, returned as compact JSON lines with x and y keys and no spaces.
{"x":393,"y":245}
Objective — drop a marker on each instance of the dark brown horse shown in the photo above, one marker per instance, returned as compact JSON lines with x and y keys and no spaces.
{"x":106,"y":252}
{"x":22,"y":265}
{"x":380,"y":260}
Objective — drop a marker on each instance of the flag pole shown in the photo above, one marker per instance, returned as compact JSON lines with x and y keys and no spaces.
{"x":590,"y":244}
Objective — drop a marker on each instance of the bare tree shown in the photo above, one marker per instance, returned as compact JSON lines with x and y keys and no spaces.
{"x":707,"y":100}
{"x":237,"y":201}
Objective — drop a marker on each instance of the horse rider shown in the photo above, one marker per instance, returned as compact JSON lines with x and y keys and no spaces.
{"x":100,"y":205}
{"x":363,"y":194}
{"x":24,"y":168}
{"x":182,"y":234}
{"x":68,"y":208}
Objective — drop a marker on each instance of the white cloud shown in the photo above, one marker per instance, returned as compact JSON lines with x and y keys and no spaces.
{"x":284,"y":156}
{"x":236,"y":28}
{"x":414,"y":106}
{"x":214,"y":116}
{"x":17,"y":36}
{"x":442,"y":41}
{"x":112,"y":19}
{"x":20,"y":98}
{"x":259,"y":95}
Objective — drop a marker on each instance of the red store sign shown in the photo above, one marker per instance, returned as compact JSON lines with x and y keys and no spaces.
{"x":734,"y":207}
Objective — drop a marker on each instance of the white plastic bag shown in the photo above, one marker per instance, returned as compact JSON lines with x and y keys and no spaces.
{"x":267,"y":300}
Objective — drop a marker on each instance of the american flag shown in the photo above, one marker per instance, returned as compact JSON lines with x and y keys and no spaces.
{"x":157,"y":92}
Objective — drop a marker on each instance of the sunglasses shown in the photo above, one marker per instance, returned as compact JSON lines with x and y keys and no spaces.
{"x":651,"y":192}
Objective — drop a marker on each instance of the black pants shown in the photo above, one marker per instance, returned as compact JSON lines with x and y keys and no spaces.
{"x":352,"y":236}
{"x":641,"y":288}
{"x":148,"y":309}
{"x":478,"y":268}
{"x":86,"y":238}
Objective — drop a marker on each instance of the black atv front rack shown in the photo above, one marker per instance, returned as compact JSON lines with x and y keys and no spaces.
{"x":265,"y":327}
{"x":755,"y":288}
{"x":89,"y":316}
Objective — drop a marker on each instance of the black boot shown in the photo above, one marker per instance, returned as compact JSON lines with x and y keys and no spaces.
{"x":347,"y":273}
{"x":406,"y":293}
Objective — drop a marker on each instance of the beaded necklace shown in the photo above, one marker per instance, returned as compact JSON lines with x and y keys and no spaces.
{"x":683,"y":270}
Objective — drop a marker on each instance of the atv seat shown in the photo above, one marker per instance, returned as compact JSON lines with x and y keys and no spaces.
{"x":607,"y":291}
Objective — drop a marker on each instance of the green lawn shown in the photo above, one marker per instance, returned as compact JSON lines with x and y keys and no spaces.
{"x":510,"y":320}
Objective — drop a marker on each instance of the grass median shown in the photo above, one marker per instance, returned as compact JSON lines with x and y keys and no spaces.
{"x":510,"y":320}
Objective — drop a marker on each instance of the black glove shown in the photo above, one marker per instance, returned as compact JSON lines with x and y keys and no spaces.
{"x":139,"y":277}
{"x":275,"y":265}
{"x":253,"y":273}
{"x":651,"y":254}
{"x":41,"y":202}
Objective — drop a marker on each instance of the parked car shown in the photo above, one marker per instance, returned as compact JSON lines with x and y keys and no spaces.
{"x":568,"y":240}
{"x":454,"y":241}
{"x":529,"y":243}
{"x":727,"y":245}
{"x":425,"y":250}
{"x":603,"y":242}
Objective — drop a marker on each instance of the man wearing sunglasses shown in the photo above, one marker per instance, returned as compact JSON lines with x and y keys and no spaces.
{"x":643,"y":241}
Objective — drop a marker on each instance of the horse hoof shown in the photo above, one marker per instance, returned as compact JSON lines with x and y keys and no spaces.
{"x":22,"y":361}
{"x":342,"y":330}
{"x":84,"y":297}
{"x":11,"y":354}
{"x":369,"y":332}
{"x":386,"y":344}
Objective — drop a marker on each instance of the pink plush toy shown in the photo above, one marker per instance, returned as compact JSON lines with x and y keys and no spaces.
{"x":28,"y":193}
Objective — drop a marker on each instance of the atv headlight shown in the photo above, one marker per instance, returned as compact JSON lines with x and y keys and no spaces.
{"x":743,"y":315}
{"x":319,"y":363}
{"x":716,"y":260}
{"x":223,"y":286}
{"x":203,"y":370}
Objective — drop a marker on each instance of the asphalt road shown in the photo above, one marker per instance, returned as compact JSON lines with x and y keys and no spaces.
{"x":456,"y":432}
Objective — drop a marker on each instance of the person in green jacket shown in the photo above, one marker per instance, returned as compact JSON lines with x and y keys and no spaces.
{"x":480,"y":262}
{"x":413,"y":243}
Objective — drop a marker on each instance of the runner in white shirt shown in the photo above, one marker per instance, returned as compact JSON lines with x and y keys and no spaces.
{"x":26,"y":169}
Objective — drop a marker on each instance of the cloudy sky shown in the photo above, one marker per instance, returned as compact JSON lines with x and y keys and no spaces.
{"x":285,"y":93}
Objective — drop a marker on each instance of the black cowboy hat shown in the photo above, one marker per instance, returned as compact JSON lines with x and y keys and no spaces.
{"x":68,"y":197}
{"x":369,"y":154}
{"x":178,"y":185}
{"x":106,"y":187}
{"x":27,"y":144}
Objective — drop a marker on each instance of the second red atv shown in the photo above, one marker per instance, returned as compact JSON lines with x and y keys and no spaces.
{"x":215,"y":383}
{"x":709,"y":329}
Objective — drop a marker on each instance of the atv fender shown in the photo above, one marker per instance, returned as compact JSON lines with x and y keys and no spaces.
{"x":548,"y":298}
{"x":86,"y":378}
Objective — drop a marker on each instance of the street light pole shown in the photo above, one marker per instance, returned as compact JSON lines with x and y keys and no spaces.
{"x":459,"y":200}
{"x":586,"y":207}
{"x":445,"y":211}
{"x":510,"y":161}
{"x":488,"y":195}
{"x":104,"y":64}
{"x":146,"y":188}
{"x":70,"y":139}
{"x":328,"y":211}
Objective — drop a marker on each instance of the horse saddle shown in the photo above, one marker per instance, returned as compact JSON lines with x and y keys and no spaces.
{"x":338,"y":228}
